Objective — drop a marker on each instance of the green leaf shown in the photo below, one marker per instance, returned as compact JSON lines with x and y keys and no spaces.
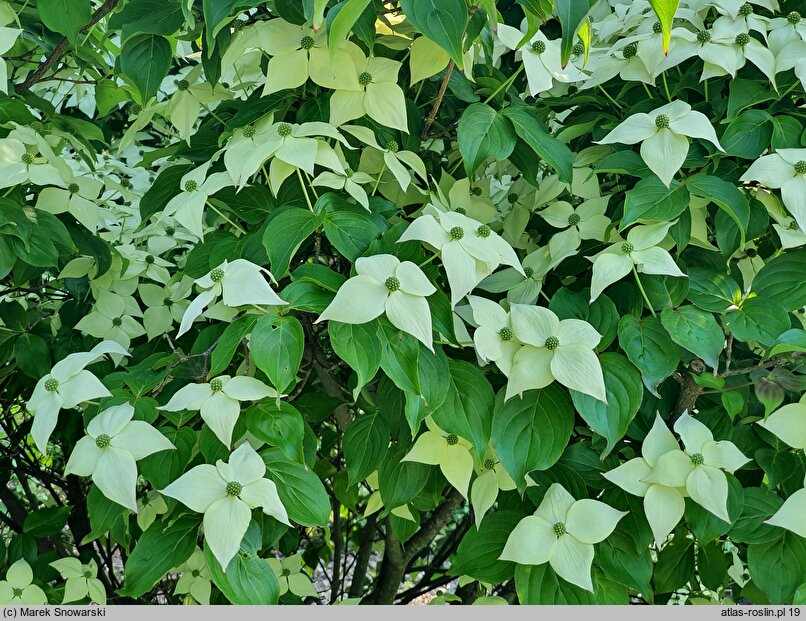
{"x":400,"y":481}
{"x":66,"y":17}
{"x":758,"y":319}
{"x":360,"y":347}
{"x":400,"y":358}
{"x":531,"y":433}
{"x":301,"y":491}
{"x":281,"y":426}
{"x":571,"y":14}
{"x":760,"y":504}
{"x":347,"y":14}
{"x":46,"y":521}
{"x":351,"y":231}
{"x":618,"y":557}
{"x":276,"y":346}
{"x":651,"y":201}
{"x":284,"y":234}
{"x":443,"y":22}
{"x":162,"y":190}
{"x":748,"y":135}
{"x":365,"y":443}
{"x":248,"y":579}
{"x":32,"y":355}
{"x":103,"y":514}
{"x":534,"y":134}
{"x":696,"y":331}
{"x":675,"y":566}
{"x":649,"y":347}
{"x":161,"y":17}
{"x":146,"y":60}
{"x":726,"y":196}
{"x":778,"y":568}
{"x":539,"y":585}
{"x":781,"y":279}
{"x":483,"y":133}
{"x":665,"y":10}
{"x":229,"y":342}
{"x":624,"y":396}
{"x":712,"y":565}
{"x":477,"y":554}
{"x":162,"y":547}
{"x":712,"y":291}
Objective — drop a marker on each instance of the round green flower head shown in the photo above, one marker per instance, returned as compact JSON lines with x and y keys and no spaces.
{"x":170,"y":231}
{"x":392,"y":283}
{"x":37,"y":126}
{"x":136,"y":108}
{"x":538,"y":47}
{"x":183,"y":85}
{"x":168,"y":302}
{"x":73,"y":188}
{"x":559,"y":529}
{"x":249,"y":131}
{"x":697,"y":459}
{"x":348,"y":172}
{"x":27,"y":158}
{"x":457,"y":233}
{"x":452,"y":439}
{"x":630,"y":50}
{"x":703,"y":36}
{"x":195,"y":573}
{"x":793,"y":18}
{"x":51,"y":385}
{"x":489,"y":464}
{"x":505,"y":334}
{"x":217,"y":274}
{"x":150,"y":258}
{"x":627,"y":247}
{"x":475,"y":191}
{"x":306,"y":42}
{"x":793,"y":226}
{"x":483,"y":231}
{"x":392,"y":146}
{"x":574,"y":219}
{"x":238,"y":25}
{"x":662,"y":121}
{"x":190,"y":185}
{"x":284,"y":130}
{"x":16,"y":592}
{"x":286,"y":573}
{"x":529,"y":271}
{"x":117,"y":322}
{"x":742,"y":39}
{"x":746,"y":9}
{"x":512,"y":198}
{"x":216,"y":385}
{"x":461,"y":210}
{"x":800,"y":167}
{"x":88,"y":574}
{"x":552,"y":343}
{"x":234,"y":488}
{"x":102,"y":441}
{"x":365,"y":78}
{"x":578,"y":49}
{"x":657,"y":28}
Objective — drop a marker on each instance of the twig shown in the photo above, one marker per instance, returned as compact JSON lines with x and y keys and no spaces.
{"x":438,"y":101}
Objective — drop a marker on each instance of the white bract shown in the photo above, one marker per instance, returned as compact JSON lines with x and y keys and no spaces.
{"x":110,"y":451}
{"x":239,"y":282}
{"x":554,"y":349}
{"x":195,"y":579}
{"x":196,"y":187}
{"x":17,"y":589}
{"x":450,"y":452}
{"x":226,"y":493}
{"x":384,"y":284}
{"x":663,"y":134}
{"x":785,"y":170}
{"x":562,"y":532}
{"x":494,"y":339}
{"x":490,"y":480}
{"x":587,"y":221}
{"x":641,"y":251}
{"x":67,"y":385}
{"x":80,"y":580}
{"x":218,"y":401}
{"x":290,"y":577}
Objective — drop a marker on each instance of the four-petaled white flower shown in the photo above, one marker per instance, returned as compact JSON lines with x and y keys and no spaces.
{"x":290,"y":577}
{"x":785,"y":170}
{"x":17,"y":589}
{"x":67,"y":385}
{"x":384,"y":284}
{"x":219,"y":401}
{"x":449,"y":451}
{"x":195,"y":188}
{"x":562,"y":532}
{"x":226,"y":493}
{"x":110,"y":451}
{"x":663,"y":134}
{"x":80,"y":580}
{"x":554,"y":349}
{"x":195,"y":579}
{"x":587,"y":221}
{"x":493,"y":339}
{"x":641,"y":250}
{"x":484,"y":491}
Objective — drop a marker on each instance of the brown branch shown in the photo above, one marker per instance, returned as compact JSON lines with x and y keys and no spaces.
{"x":61,"y":48}
{"x":438,"y":101}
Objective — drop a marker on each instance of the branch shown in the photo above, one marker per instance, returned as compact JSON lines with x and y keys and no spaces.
{"x":438,"y":101}
{"x":60,"y":49}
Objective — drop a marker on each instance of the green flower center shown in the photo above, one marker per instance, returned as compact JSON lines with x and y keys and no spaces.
{"x":190,"y":186}
{"x":800,"y":167}
{"x":365,"y":78}
{"x":538,"y":47}
{"x":552,"y":343}
{"x":697,"y":459}
{"x":306,"y":42}
{"x":529,"y":271}
{"x":662,"y":121}
{"x":489,"y":464}
{"x":630,"y":50}
{"x":170,"y":231}
{"x":234,"y":488}
{"x":217,"y":274}
{"x":627,"y":247}
{"x":73,"y":188}
{"x":461,"y":210}
{"x":103,"y":441}
{"x":512,"y":198}
{"x":51,"y":385}
{"x":703,"y":36}
{"x":238,"y":25}
{"x":88,"y":574}
{"x":27,"y":158}
{"x":216,"y":385}
{"x":286,"y":573}
{"x":168,"y":302}
{"x":183,"y":85}
{"x":751,"y":252}
{"x":392,"y":146}
{"x":657,"y":28}
{"x":505,"y":334}
{"x":392,"y":283}
{"x":284,"y":130}
{"x":136,"y":108}
{"x":150,"y":259}
{"x":452,"y":439}
{"x":16,"y":592}
{"x":37,"y":126}
{"x":117,"y":322}
{"x":249,"y":131}
{"x":348,"y":172}
{"x":578,"y":49}
{"x":742,"y":39}
{"x":574,"y":219}
{"x":793,"y":226}
{"x":457,"y":233}
{"x":195,"y":573}
{"x":746,"y":9}
{"x":559,"y":529}
{"x":483,"y":231}
{"x":475,"y":191}
{"x":793,"y":18}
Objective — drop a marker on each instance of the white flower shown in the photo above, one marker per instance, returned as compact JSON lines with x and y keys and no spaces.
{"x":484,"y":491}
{"x":494,"y":339}
{"x":110,"y":450}
{"x":17,"y":589}
{"x":226,"y":493}
{"x":663,"y":136}
{"x":587,"y":221}
{"x":554,"y":350}
{"x":8,"y":36}
{"x":219,"y":401}
{"x":641,"y":250}
{"x":80,"y":580}
{"x":77,"y":196}
{"x":166,"y":305}
{"x":196,"y":187}
{"x":384,"y":284}
{"x":290,"y":577}
{"x":67,"y":385}
{"x":785,"y":170}
{"x":111,"y":319}
{"x":195,"y":579}
{"x":470,"y":250}
{"x":239,"y":282}
{"x":191,"y":93}
{"x":562,"y":532}
{"x":446,"y":450}
{"x":18,"y":165}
